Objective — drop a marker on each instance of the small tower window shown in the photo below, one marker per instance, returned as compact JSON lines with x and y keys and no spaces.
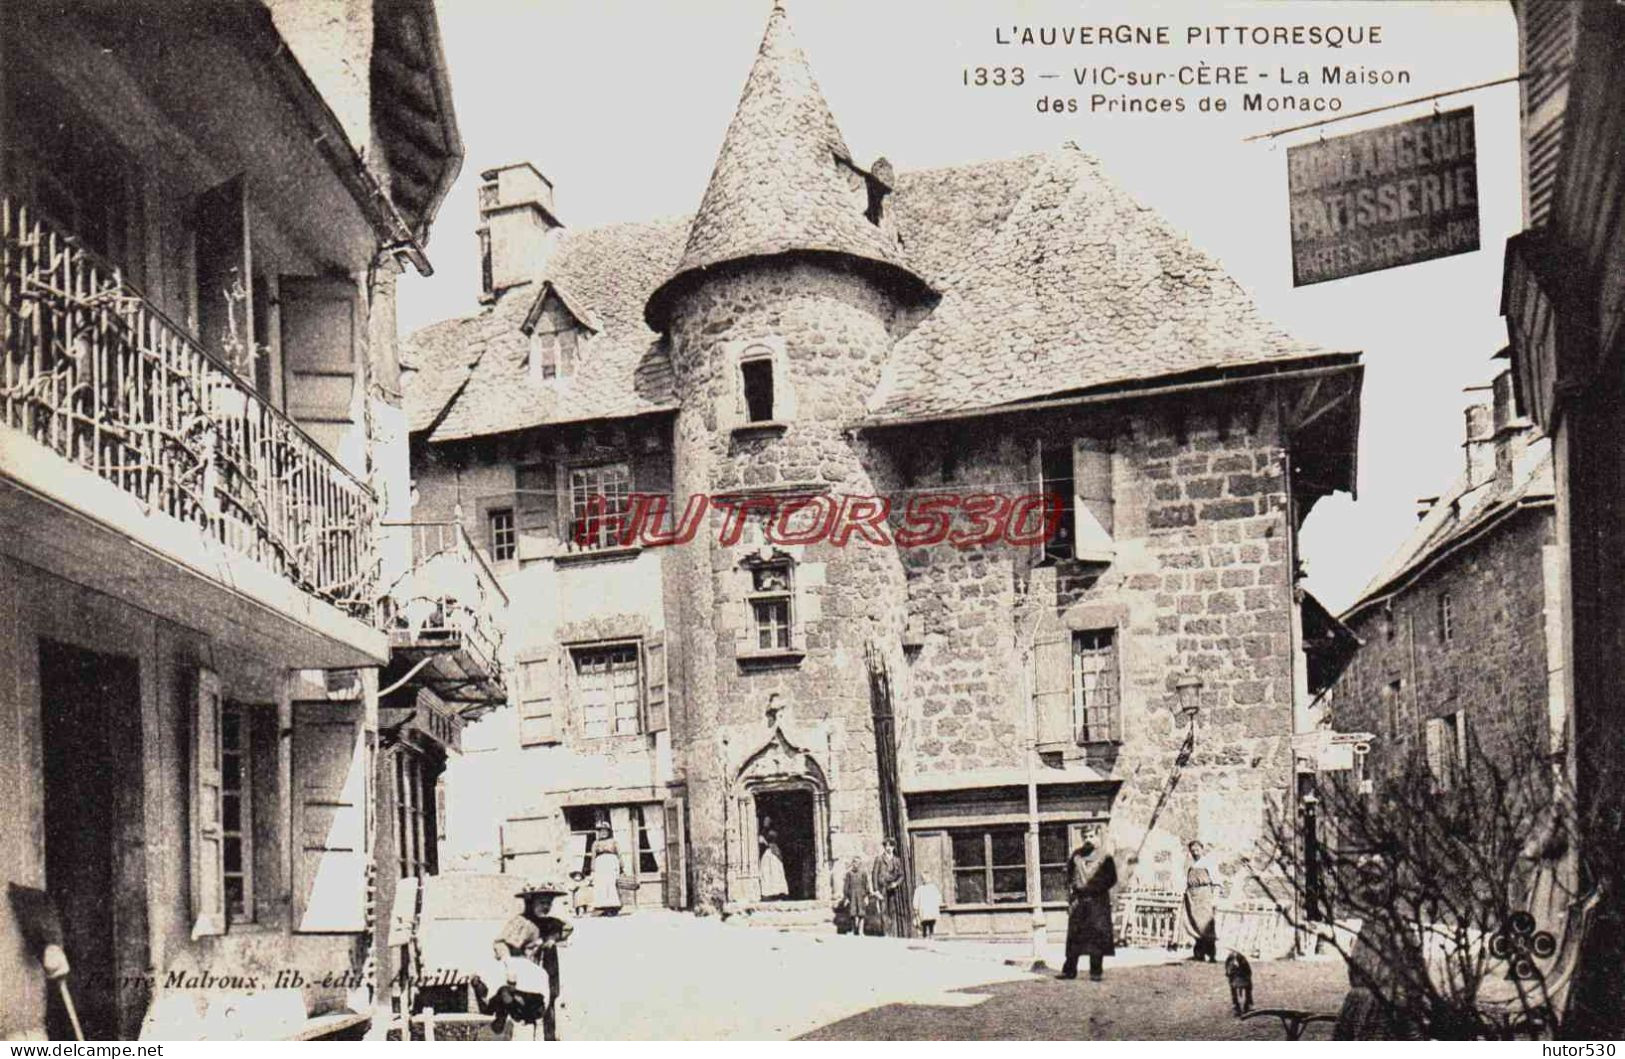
{"x":757,"y":378}
{"x":487,"y":281}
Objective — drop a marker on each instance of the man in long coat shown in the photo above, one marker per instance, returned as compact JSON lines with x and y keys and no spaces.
{"x":886,"y":879}
{"x":1091,"y":874}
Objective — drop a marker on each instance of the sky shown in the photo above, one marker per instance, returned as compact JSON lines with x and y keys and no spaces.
{"x":623,"y":105}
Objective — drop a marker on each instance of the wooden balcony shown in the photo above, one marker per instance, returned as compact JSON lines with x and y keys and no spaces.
{"x":446,"y":613}
{"x":94,"y":373}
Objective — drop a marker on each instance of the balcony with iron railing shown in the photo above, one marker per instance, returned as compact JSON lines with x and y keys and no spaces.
{"x":446,"y":612}
{"x":94,"y":372}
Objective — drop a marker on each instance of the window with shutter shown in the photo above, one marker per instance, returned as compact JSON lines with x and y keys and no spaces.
{"x":225,"y":273}
{"x":536,"y":503}
{"x":1052,"y":686}
{"x":608,"y":689}
{"x":656,"y":714}
{"x":330,"y":818}
{"x":1094,"y":504}
{"x":208,"y":883}
{"x":319,"y":334}
{"x":539,"y":699}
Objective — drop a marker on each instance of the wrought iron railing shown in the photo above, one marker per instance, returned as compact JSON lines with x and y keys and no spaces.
{"x":93,"y":371}
{"x":448,"y":594}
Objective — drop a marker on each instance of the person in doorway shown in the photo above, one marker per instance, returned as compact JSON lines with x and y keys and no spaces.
{"x":887,"y":881}
{"x":606,"y":873}
{"x":775,"y":887}
{"x":927,"y":907}
{"x":1201,"y":898}
{"x":1091,"y":874}
{"x":527,"y":964}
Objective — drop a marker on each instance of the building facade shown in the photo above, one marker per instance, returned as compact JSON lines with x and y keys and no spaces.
{"x":765,"y":486}
{"x":1560,"y":298}
{"x":201,"y":434}
{"x":1459,"y":658}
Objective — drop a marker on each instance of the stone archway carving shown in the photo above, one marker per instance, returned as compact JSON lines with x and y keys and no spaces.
{"x":779,"y":766}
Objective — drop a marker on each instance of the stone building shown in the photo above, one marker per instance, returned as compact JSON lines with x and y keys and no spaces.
{"x":1460,"y":650}
{"x":803,"y":382}
{"x":203,"y":211}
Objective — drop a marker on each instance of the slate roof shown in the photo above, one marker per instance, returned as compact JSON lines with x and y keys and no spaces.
{"x":1053,"y":280}
{"x":780,"y":184}
{"x":1457,"y":515}
{"x":1077,"y":286}
{"x":469,"y":376}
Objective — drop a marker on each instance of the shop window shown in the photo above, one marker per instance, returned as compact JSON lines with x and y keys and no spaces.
{"x":504,"y":540}
{"x":583,"y":821}
{"x":1052,"y":861}
{"x":1094,"y":685}
{"x":648,"y":864}
{"x":608,"y":689}
{"x":600,"y":500}
{"x":236,"y":813}
{"x":990,"y":866}
{"x":770,"y":602}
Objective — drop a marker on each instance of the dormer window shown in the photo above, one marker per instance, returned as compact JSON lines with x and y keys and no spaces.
{"x":557,"y":326}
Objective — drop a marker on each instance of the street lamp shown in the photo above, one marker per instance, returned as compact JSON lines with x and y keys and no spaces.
{"x":1188,"y":696}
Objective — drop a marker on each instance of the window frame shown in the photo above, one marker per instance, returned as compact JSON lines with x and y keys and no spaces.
{"x":988,"y":869}
{"x":237,"y":715}
{"x":1106,"y":723}
{"x":1447,"y":618}
{"x":604,"y":528}
{"x":750,"y":364}
{"x":644,"y":844}
{"x":612,"y":652}
{"x":503,"y":542}
{"x":783,"y":633}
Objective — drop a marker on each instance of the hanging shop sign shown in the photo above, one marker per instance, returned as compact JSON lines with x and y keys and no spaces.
{"x":1384,"y":197}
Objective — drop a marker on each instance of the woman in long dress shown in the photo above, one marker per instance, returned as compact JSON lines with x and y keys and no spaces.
{"x":1201,"y":893}
{"x":606,"y":872}
{"x":775,"y":886}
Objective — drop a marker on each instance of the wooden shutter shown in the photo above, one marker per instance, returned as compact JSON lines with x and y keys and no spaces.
{"x":1433,"y":741}
{"x":539,"y":698}
{"x":536,"y":511}
{"x":528,"y":846}
{"x":1461,"y":746}
{"x":1052,"y":685}
{"x":932,"y":862}
{"x":1094,"y":507}
{"x":654,"y":670}
{"x":225,"y":303}
{"x":319,"y":341}
{"x":208,"y":883}
{"x":676,"y":879}
{"x":329,"y":818}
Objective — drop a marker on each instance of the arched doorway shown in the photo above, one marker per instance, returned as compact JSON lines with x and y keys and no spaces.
{"x":783,"y":797}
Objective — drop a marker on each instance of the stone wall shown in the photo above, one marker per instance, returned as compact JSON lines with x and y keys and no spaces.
{"x":1200,"y":584}
{"x":1493,"y":666}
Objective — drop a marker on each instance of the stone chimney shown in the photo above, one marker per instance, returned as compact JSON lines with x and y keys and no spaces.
{"x":1480,"y":445}
{"x":518,"y":227}
{"x":1513,"y":430}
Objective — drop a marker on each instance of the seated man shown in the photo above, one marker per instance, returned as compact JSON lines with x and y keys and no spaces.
{"x":527,"y":954}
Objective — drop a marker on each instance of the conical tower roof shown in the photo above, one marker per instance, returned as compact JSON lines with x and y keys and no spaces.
{"x":784,"y":183}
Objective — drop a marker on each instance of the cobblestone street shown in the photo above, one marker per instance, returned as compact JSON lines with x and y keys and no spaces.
{"x":679,"y":978}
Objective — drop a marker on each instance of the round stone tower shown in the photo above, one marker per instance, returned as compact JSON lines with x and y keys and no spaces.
{"x":778,"y":321}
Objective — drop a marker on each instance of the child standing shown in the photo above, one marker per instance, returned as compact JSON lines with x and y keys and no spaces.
{"x":927,"y":907}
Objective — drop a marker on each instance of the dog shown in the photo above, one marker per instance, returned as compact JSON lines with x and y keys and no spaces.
{"x":1240,"y":975}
